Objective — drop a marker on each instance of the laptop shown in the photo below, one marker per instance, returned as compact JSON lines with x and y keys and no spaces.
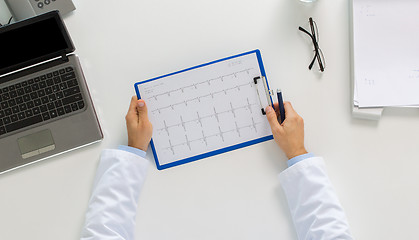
{"x":45,"y":105}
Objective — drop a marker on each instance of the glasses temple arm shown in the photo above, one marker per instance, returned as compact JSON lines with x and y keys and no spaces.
{"x":305,"y":31}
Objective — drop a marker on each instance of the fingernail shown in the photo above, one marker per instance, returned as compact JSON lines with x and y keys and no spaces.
{"x":268,"y":109}
{"x":141,"y":104}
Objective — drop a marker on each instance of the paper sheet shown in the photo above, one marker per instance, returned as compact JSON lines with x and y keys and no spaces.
{"x":205,"y":109}
{"x":386,"y":52}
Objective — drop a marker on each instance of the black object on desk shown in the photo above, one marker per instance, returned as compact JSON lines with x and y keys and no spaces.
{"x":314,"y":35}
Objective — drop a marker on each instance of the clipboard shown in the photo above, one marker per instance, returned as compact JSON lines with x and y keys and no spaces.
{"x":186,"y":106}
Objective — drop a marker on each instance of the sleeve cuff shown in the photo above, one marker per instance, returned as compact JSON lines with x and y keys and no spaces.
{"x":135,"y":151}
{"x":300,"y":158}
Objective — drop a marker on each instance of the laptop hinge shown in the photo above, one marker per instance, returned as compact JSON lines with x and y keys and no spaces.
{"x":33,"y":68}
{"x":64,"y":57}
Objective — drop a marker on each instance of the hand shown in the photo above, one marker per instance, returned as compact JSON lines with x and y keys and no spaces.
{"x":138,"y":126}
{"x":290,"y":135}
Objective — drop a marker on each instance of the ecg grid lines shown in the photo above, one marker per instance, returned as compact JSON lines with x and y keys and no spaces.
{"x":205,"y":137}
{"x":200,"y":117}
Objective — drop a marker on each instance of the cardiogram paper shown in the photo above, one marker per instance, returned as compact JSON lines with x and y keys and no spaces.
{"x":202,"y":110}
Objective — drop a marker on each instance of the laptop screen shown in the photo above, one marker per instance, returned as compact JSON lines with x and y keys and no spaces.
{"x":32,"y":41}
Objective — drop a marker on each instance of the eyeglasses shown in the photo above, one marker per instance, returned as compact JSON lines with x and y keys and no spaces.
{"x":314,"y":35}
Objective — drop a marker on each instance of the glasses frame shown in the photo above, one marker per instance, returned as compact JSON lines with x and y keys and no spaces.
{"x":315,"y":39}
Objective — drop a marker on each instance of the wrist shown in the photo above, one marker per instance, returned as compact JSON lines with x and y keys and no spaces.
{"x":142,"y":147}
{"x":296,"y":153}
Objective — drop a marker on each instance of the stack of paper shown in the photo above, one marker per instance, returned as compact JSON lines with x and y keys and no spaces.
{"x":386,"y":53}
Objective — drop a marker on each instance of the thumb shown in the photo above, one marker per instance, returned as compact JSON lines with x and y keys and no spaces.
{"x":272,"y":118}
{"x":142,"y":110}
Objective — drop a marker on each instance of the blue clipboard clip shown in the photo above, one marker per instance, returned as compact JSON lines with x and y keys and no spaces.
{"x":263,"y":92}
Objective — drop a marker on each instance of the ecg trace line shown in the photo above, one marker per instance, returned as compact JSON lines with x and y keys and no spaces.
{"x":199,"y":83}
{"x":204,"y":138}
{"x":199,"y":98}
{"x":216,"y":114}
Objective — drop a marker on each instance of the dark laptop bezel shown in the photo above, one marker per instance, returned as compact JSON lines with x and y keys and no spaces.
{"x":54,"y":15}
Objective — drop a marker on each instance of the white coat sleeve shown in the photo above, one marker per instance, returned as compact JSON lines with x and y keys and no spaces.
{"x":113,"y":204}
{"x":315,"y":208}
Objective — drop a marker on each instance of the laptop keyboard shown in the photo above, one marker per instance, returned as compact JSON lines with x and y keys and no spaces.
{"x":40,"y":99}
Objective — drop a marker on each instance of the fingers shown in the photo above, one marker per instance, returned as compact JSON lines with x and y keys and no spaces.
{"x":289,"y":110}
{"x":273,"y":119}
{"x":276,"y":108}
{"x":132,"y":110}
{"x":292,"y":115}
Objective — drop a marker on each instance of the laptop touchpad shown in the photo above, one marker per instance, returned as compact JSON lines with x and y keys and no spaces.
{"x":36,"y":143}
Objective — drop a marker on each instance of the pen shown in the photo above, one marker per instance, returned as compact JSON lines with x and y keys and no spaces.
{"x":280,"y":105}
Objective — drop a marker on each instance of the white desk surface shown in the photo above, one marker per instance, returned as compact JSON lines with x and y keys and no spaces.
{"x":373,"y":165}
